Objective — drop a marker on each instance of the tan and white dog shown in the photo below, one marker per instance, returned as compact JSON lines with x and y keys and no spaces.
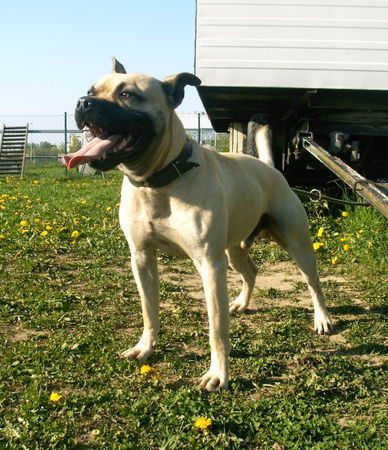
{"x":187,"y":200}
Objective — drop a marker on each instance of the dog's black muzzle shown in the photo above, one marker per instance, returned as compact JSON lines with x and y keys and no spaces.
{"x":107,"y":115}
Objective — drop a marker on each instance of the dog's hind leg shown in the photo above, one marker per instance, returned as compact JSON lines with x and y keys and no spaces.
{"x":145,"y":271}
{"x":241,"y":262}
{"x":305,"y":258}
{"x":291,"y":233}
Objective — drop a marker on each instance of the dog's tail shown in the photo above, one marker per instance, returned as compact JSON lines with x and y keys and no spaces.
{"x":259,"y":139}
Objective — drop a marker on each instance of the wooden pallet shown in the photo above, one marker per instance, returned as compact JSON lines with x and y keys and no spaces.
{"x":13,"y":150}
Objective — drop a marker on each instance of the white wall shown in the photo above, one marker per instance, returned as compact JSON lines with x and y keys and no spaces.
{"x":340,"y":44}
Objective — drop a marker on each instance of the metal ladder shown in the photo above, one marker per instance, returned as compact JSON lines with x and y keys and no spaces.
{"x":13,"y":150}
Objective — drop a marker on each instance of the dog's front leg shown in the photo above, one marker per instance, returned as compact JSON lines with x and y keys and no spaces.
{"x":213,"y":274}
{"x":145,"y":271}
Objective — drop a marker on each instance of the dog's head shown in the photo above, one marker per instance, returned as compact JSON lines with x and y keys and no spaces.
{"x":127,"y":115}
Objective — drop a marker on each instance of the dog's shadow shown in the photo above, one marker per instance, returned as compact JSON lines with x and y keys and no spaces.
{"x":359,"y":315}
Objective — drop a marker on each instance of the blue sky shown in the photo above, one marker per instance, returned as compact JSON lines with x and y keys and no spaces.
{"x":51,"y":52}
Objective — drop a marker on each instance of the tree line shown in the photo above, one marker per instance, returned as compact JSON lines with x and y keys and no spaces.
{"x":49,"y":149}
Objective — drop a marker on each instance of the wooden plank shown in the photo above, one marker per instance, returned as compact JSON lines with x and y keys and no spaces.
{"x":237,"y":137}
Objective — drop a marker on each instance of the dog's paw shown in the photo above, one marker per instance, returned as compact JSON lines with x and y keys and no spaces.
{"x":238,"y":306}
{"x":137,"y":352}
{"x":213,"y":382}
{"x":323,"y":324}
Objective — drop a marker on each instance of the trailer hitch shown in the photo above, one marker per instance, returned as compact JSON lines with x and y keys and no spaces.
{"x":363,"y":187}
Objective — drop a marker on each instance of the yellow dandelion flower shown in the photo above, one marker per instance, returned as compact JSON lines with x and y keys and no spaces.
{"x":44,"y":233}
{"x":75,"y":234}
{"x":320,"y":232}
{"x":317,"y":245}
{"x":23,"y":223}
{"x":37,"y":220}
{"x":117,"y":205}
{"x":48,"y":228}
{"x":335,"y":260}
{"x":54,"y":397}
{"x":24,"y":231}
{"x":343,"y":239}
{"x":35,"y":182}
{"x":3,"y":207}
{"x":147,"y":370}
{"x":346,"y":247}
{"x":370,"y":244}
{"x":83,"y":202}
{"x":344,"y":214}
{"x":2,"y":236}
{"x":108,"y":208}
{"x":203,"y":423}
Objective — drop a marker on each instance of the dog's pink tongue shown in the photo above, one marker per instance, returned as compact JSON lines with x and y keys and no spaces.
{"x":92,"y":151}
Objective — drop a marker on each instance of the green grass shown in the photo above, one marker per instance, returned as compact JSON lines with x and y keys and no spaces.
{"x":69,"y":306}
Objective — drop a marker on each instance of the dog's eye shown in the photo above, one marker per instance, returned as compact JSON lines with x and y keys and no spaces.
{"x":129,"y":94}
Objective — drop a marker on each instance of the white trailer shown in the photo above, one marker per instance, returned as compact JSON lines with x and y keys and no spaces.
{"x":311,"y":67}
{"x":326,"y":44}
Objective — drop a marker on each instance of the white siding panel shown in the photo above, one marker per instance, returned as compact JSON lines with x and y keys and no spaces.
{"x":285,"y":43}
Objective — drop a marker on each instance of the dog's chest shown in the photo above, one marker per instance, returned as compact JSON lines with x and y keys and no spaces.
{"x":154,"y":205}
{"x":147,"y":213}
{"x":164,"y":219}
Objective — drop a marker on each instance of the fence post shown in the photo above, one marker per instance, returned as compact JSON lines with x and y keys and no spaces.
{"x":65,"y":128}
{"x":199,"y":129}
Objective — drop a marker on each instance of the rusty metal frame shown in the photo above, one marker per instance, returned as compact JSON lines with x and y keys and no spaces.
{"x":363,"y":187}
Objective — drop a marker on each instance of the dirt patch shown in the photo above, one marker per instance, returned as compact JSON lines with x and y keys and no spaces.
{"x":13,"y":333}
{"x":281,"y":276}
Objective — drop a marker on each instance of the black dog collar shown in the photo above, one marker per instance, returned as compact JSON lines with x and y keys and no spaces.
{"x":172,"y":171}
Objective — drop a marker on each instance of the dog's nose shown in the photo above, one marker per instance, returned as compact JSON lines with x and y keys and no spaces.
{"x":85,"y":103}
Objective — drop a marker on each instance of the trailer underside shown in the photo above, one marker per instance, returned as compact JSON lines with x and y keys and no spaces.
{"x":316,"y":136}
{"x":350,"y":124}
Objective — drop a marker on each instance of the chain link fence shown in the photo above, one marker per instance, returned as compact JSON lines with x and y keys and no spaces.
{"x":52,"y":135}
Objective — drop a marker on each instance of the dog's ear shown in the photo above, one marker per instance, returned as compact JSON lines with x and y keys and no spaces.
{"x":117,"y":66}
{"x":174,"y":86}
